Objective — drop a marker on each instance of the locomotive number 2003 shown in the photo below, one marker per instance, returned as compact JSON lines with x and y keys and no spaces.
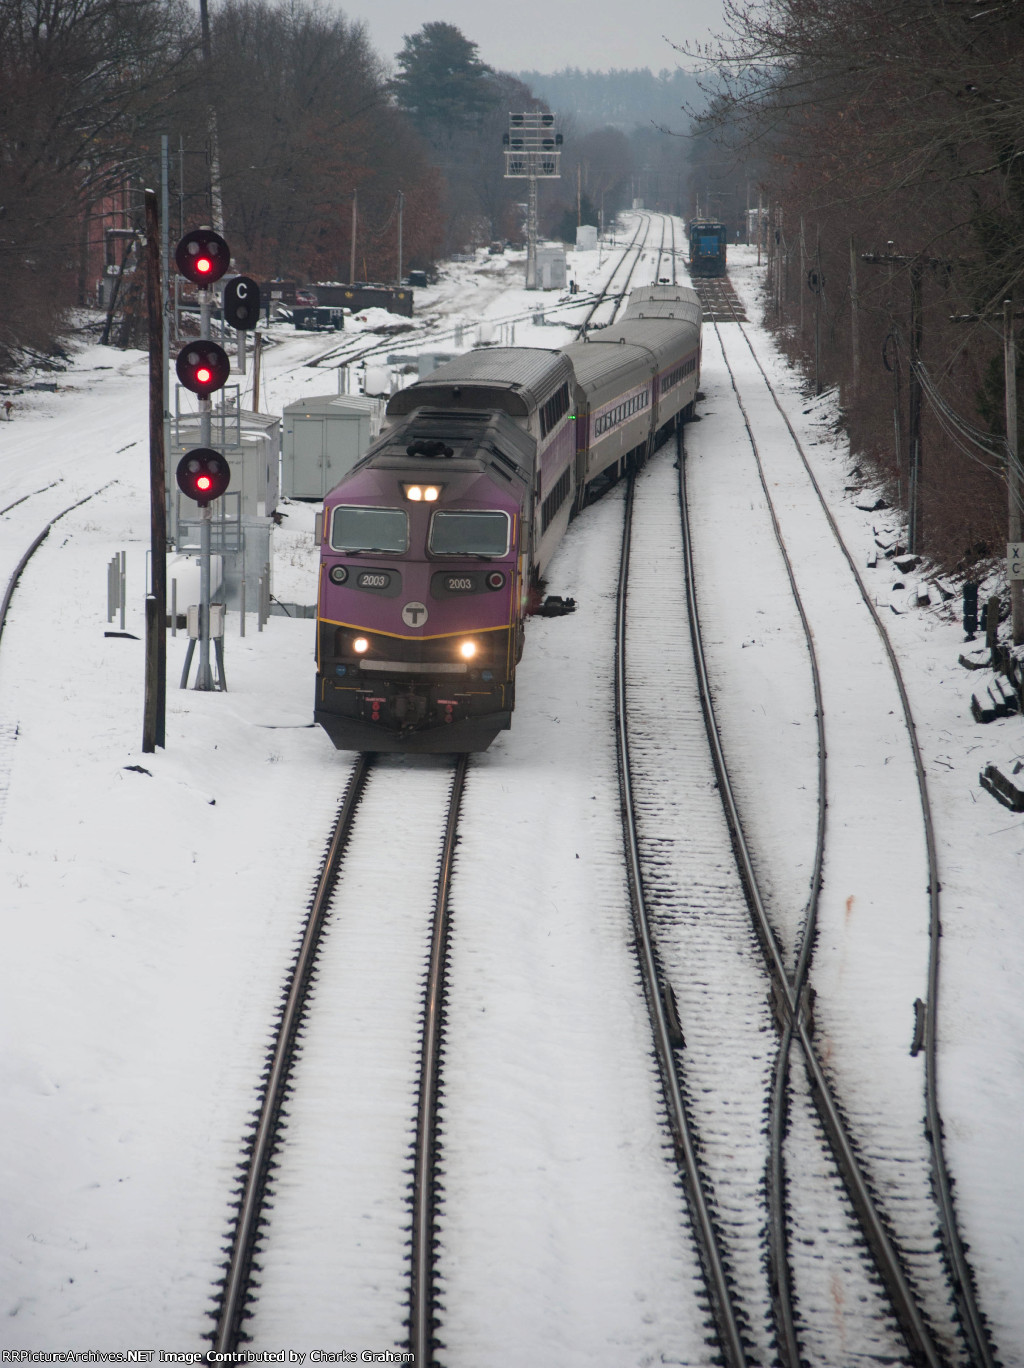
{"x":453,"y":583}
{"x":369,"y":581}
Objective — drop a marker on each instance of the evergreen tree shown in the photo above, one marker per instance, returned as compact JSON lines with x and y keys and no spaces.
{"x":442,"y":83}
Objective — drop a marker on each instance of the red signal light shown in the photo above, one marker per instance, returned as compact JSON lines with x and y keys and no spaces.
{"x":203,"y":367}
{"x":203,"y":474}
{"x":202,"y":256}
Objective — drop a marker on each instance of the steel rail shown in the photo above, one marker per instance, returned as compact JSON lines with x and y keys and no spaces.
{"x":25,"y":497}
{"x":603,"y":297}
{"x":235,"y":1291}
{"x":19,"y":569}
{"x":716,"y":1277}
{"x":971,"y":1319}
{"x":422,"y":1280}
{"x":436,"y":335}
{"x":912,"y":1323}
{"x":778,"y":1251}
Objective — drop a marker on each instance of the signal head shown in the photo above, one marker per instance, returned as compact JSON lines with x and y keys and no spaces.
{"x":202,"y":256}
{"x":203,"y":474}
{"x":203,"y":367}
{"x":242,"y":303}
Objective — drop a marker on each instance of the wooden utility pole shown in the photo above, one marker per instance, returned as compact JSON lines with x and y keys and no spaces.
{"x":352,"y":258}
{"x":916,"y":266}
{"x":401,"y":207}
{"x":803,"y":271}
{"x":1013,"y":471}
{"x":854,"y":318}
{"x":760,"y":219}
{"x":257,"y":357}
{"x":817,"y":284}
{"x":154,"y":712}
{"x":914,"y":392}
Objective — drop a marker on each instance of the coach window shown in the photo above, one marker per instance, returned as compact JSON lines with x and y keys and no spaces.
{"x":369,"y":529}
{"x":469,"y":532}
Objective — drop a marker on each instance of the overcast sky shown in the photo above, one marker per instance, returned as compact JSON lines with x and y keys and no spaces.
{"x":545,"y":35}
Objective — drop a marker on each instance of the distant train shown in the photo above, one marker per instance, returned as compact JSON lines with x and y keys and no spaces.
{"x":708,"y":245}
{"x":434,"y":544}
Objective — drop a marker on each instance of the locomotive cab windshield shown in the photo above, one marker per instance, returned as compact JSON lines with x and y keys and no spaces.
{"x":355,"y":528}
{"x":469,"y":532}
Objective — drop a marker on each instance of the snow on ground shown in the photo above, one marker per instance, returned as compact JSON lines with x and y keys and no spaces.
{"x":150,"y":902}
{"x":981,"y":868}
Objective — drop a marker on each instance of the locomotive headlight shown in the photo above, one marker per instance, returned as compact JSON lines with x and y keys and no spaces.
{"x":430,"y":493}
{"x":422,"y":493}
{"x":360,"y":645}
{"x":467,"y":649}
{"x":337,"y":574}
{"x":414,"y":492}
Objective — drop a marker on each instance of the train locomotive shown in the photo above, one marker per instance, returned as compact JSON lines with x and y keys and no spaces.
{"x":708,"y":245}
{"x":434,"y":545}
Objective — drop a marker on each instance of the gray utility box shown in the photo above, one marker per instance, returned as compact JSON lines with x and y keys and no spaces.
{"x":242,"y":518}
{"x":551,"y":268}
{"x":324,"y":436}
{"x":252,"y":444}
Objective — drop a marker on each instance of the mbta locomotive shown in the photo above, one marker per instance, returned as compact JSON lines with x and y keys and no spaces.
{"x":433,"y":546}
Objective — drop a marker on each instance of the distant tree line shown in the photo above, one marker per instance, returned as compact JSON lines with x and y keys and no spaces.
{"x":84,"y":87}
{"x":622,"y":98}
{"x":277,"y":120}
{"x":892,"y":131}
{"x":287,"y":115}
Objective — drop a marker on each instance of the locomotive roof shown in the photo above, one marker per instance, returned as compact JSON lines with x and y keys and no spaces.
{"x":514,"y":379}
{"x":474,"y":439}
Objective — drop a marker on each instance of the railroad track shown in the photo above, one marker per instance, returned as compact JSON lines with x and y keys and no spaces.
{"x":709,"y":977}
{"x":9,"y":727}
{"x":720,"y":302}
{"x":659,"y":953}
{"x":935,"y":1306}
{"x":301,"y":1144}
{"x":636,"y":246}
{"x":350,"y":354}
{"x":19,"y":568}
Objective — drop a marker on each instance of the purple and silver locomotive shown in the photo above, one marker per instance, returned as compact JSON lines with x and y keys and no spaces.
{"x":435,"y":541}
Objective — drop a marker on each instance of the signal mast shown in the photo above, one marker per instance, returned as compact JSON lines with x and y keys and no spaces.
{"x":203,"y":474}
{"x":532,"y":153}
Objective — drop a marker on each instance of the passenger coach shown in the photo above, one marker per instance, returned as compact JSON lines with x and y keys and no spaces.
{"x":434,"y":545}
